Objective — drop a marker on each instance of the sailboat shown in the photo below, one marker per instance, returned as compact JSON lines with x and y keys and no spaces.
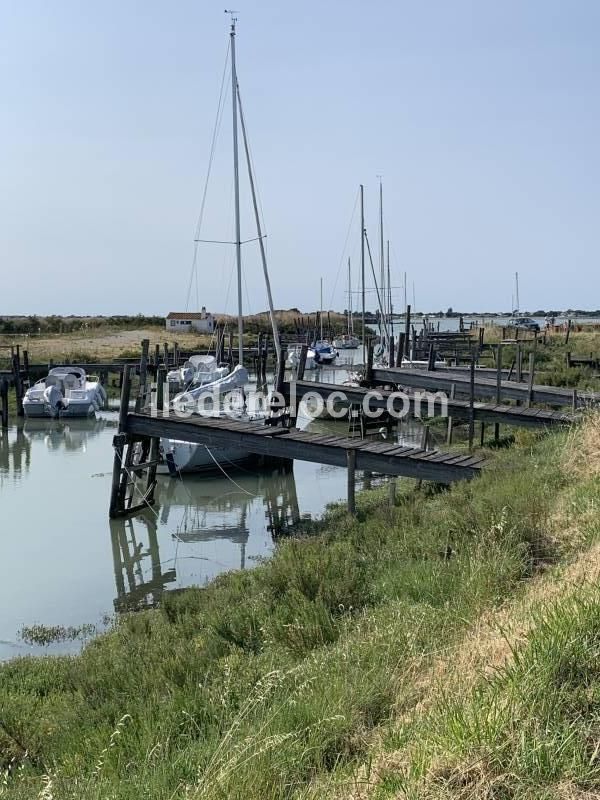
{"x":324,"y":351}
{"x":348,"y":341}
{"x":179,"y":456}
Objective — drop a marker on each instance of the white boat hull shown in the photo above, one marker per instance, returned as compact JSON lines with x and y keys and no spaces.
{"x":181,"y":457}
{"x":35,"y":409}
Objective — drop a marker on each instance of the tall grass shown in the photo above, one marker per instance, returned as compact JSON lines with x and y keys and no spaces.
{"x":265,"y":681}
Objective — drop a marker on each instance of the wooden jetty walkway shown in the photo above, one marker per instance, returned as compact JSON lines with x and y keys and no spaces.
{"x":419,"y":405}
{"x":444,"y":380}
{"x":141,"y":431}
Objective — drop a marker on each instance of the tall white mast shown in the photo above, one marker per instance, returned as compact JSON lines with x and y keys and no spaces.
{"x":389,"y":288}
{"x":261,"y":243}
{"x":321,"y":314}
{"x":517,"y":289}
{"x":383,"y":327}
{"x":236,"y":185}
{"x":350,"y":320}
{"x":362,"y":268}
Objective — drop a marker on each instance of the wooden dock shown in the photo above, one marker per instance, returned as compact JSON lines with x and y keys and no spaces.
{"x":444,"y":380}
{"x":419,"y":405}
{"x":142,"y":431}
{"x":387,"y":458}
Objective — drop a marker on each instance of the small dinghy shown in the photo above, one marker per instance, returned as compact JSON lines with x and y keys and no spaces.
{"x":64,"y":392}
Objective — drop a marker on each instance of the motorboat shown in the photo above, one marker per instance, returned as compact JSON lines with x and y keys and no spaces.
{"x":346,"y":342}
{"x":325,"y":353}
{"x":293,"y":357}
{"x":194,"y":399}
{"x":198,"y":370}
{"x":64,"y":392}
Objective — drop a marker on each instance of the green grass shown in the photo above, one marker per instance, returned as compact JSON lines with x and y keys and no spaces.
{"x":269,"y":680}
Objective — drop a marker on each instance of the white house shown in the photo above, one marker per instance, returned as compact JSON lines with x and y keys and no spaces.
{"x":202,"y":321}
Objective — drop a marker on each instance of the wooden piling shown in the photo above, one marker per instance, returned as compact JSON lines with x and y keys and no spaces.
{"x":230,"y":349}
{"x":119,"y":441}
{"x":471,"y":402}
{"x":302,"y":362}
{"x":400,"y":350}
{"x":141,"y":398}
{"x":351,"y":463}
{"x":498,"y":389}
{"x":392,"y":359}
{"x":369,"y":366}
{"x":530,"y":381}
{"x":4,"y":402}
{"x":16,"y":365}
{"x":407,"y":331}
{"x":450,"y":421}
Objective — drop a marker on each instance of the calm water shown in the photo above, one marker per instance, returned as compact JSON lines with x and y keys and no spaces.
{"x":64,"y":563}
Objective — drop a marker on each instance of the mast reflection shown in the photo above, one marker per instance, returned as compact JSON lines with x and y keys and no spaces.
{"x":193,"y":512}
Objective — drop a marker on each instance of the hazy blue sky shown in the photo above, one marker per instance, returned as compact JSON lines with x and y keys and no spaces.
{"x":482,"y":116}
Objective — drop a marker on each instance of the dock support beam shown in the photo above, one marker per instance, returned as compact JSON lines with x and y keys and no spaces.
{"x":351,"y":461}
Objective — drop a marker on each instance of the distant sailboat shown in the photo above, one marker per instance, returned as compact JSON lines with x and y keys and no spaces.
{"x":348,"y":341}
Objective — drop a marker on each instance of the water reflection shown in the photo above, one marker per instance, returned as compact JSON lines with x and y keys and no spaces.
{"x":198,"y":512}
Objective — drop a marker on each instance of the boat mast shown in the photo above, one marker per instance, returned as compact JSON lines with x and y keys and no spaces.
{"x":321,"y":313}
{"x":236,"y":184}
{"x":517,"y":289}
{"x":350,"y":321}
{"x":259,"y":234}
{"x":383,"y":326}
{"x":362,"y":266}
{"x":389,"y":288}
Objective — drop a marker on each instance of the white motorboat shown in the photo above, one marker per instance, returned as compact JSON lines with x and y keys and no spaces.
{"x":195,"y":399}
{"x":293,"y":357}
{"x":196,"y":371}
{"x":64,"y":392}
{"x":325,"y":353}
{"x":346,"y":342}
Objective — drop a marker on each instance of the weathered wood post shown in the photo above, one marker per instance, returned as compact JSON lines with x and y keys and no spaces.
{"x":140,"y":400}
{"x":574,"y":405}
{"x":450,"y":421}
{"x":16,"y":366}
{"x":498,"y":390}
{"x":369,"y":367}
{"x":568,"y":331}
{"x":119,"y":441}
{"x":392,"y":353}
{"x":530,"y":381}
{"x":166,"y":354}
{"x":156,"y":355}
{"x":519,"y":363}
{"x":400,"y":350}
{"x":155,"y":441}
{"x":431,"y":358}
{"x":230,"y":349}
{"x":4,"y":402}
{"x":302,"y":362}
{"x":392,"y":491}
{"x":407,"y":331}
{"x":569,"y":359}
{"x":351,"y":463}
{"x":26,"y":367}
{"x":175,"y":354}
{"x":471,"y":402}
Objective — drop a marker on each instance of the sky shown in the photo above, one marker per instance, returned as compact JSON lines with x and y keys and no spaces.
{"x":481,"y":116}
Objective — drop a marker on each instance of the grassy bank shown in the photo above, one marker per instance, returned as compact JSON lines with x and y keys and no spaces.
{"x":513,"y":710}
{"x":279,"y":682}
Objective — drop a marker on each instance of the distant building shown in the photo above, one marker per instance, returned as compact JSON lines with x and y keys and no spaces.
{"x":202,"y":322}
